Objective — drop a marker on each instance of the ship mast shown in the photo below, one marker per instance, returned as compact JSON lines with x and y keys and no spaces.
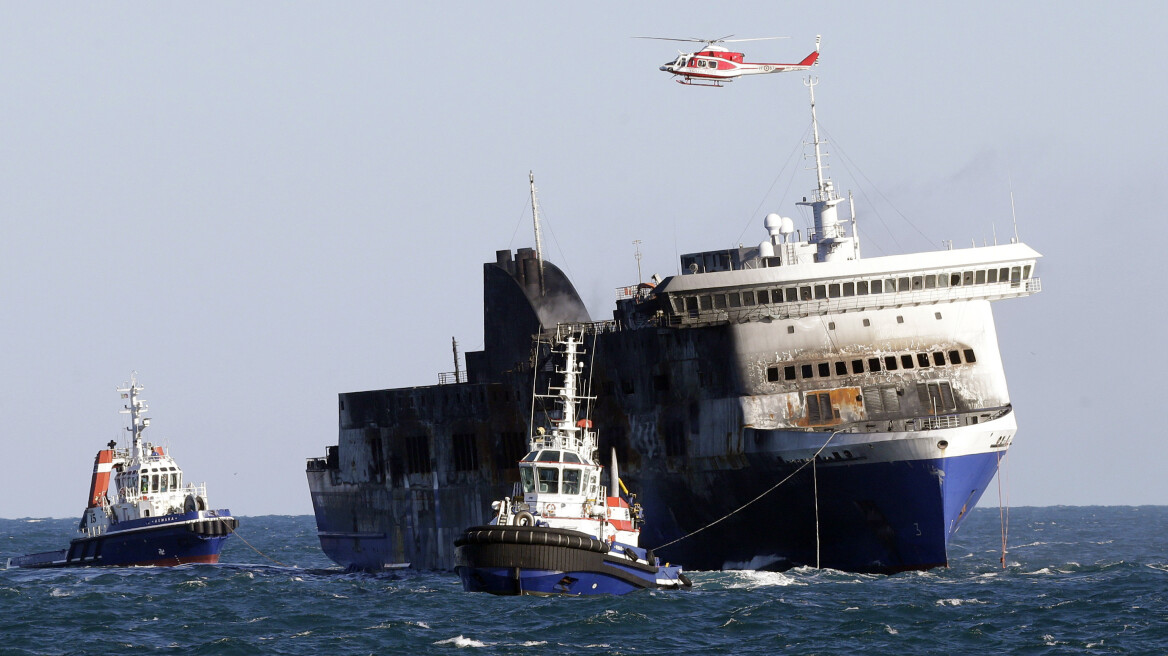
{"x":535,"y":220}
{"x":135,"y":408}
{"x":828,"y":234}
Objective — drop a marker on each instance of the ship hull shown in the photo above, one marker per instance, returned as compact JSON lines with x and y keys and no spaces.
{"x":512,"y":560}
{"x":892,"y":510}
{"x":194,"y":537}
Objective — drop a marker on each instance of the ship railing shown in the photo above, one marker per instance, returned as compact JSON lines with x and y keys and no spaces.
{"x":639,"y":292}
{"x":451,"y":377}
{"x":935,"y":423}
{"x":811,"y":307}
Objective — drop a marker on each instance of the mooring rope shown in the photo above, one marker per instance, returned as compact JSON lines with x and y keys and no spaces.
{"x":236,"y":534}
{"x":771,"y":489}
{"x":1003,"y":514}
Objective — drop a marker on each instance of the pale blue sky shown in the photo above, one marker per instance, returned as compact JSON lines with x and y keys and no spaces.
{"x":259,"y":205}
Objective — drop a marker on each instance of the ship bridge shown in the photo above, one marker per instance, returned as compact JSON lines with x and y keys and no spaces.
{"x":761,"y":292}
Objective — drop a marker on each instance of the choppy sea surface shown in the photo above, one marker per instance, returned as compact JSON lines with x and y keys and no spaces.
{"x":1088,"y":580}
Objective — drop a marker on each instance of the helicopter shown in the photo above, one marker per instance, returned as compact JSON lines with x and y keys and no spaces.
{"x":712,"y":65}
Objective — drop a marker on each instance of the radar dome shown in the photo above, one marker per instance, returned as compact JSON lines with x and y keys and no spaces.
{"x":772,"y":223}
{"x":788,"y":226}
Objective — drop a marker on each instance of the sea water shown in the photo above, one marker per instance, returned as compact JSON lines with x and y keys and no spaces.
{"x":1088,"y":580}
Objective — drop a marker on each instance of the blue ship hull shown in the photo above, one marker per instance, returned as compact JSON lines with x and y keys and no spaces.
{"x":193,"y":537}
{"x":861,"y":517}
{"x":872,"y":517}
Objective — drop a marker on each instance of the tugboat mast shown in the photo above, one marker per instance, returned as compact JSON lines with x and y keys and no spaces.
{"x":135,"y":408}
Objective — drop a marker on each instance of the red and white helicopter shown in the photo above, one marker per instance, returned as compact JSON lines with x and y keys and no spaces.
{"x":713,"y":65}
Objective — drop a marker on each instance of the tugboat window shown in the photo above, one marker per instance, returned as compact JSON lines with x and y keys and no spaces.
{"x":549,"y":480}
{"x":549,"y":456}
{"x":154,"y":483}
{"x":528,"y":477}
{"x":165,"y":487}
{"x":571,"y":480}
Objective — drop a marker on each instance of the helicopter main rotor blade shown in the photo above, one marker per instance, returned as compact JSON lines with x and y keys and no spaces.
{"x":761,"y":38}
{"x":665,"y":38}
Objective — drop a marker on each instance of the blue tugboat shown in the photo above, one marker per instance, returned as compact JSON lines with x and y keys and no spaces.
{"x":149,"y":516}
{"x":564,"y":534}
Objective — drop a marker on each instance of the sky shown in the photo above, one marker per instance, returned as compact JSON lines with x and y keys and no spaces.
{"x":257,"y":206}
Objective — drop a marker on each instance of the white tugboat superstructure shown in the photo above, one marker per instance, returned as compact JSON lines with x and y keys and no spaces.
{"x":563,"y":531}
{"x":140,"y":510}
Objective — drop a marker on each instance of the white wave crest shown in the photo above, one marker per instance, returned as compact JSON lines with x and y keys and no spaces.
{"x":461,"y":641}
{"x":750,"y":579}
{"x":958,"y":602}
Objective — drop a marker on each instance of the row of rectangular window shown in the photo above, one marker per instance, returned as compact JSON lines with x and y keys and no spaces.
{"x":869,"y":365}
{"x":1013,"y":275}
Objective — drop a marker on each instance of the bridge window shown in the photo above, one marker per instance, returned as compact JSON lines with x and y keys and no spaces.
{"x":820,"y":291}
{"x":719,"y":301}
{"x":789,"y":372}
{"x":549,"y":479}
{"x":528,"y":478}
{"x":793,"y":295}
{"x":890,"y":362}
{"x":954,"y":279}
{"x":1003,"y":274}
{"x":806,"y":370}
{"x":763,"y":297}
{"x":748,"y":298}
{"x":705,"y":303}
{"x":857,"y":366}
{"x":904,"y":285}
{"x":824,"y":369}
{"x":992,"y":275}
{"x":930,"y":282}
{"x":967,"y":278}
{"x":938,"y":358}
{"x":773,"y":374}
{"x":923,"y":359}
{"x":862,"y":288}
{"x":849,"y":289}
{"x":154,"y":483}
{"x":833,"y":290}
{"x":877,"y":286}
{"x":954,"y":357}
{"x":873,"y":365}
{"x":165,"y":486}
{"x":1026,"y":272}
{"x":980,"y":277}
{"x":735,"y":300}
{"x":571,"y":480}
{"x":918,"y":282}
{"x":841,"y":368}
{"x":1015,"y":276}
{"x":906,"y":361}
{"x":805,"y":293}
{"x":969,"y":357}
{"x":942,"y":280}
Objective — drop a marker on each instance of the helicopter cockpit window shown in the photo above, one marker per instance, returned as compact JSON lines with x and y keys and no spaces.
{"x":691,"y":61}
